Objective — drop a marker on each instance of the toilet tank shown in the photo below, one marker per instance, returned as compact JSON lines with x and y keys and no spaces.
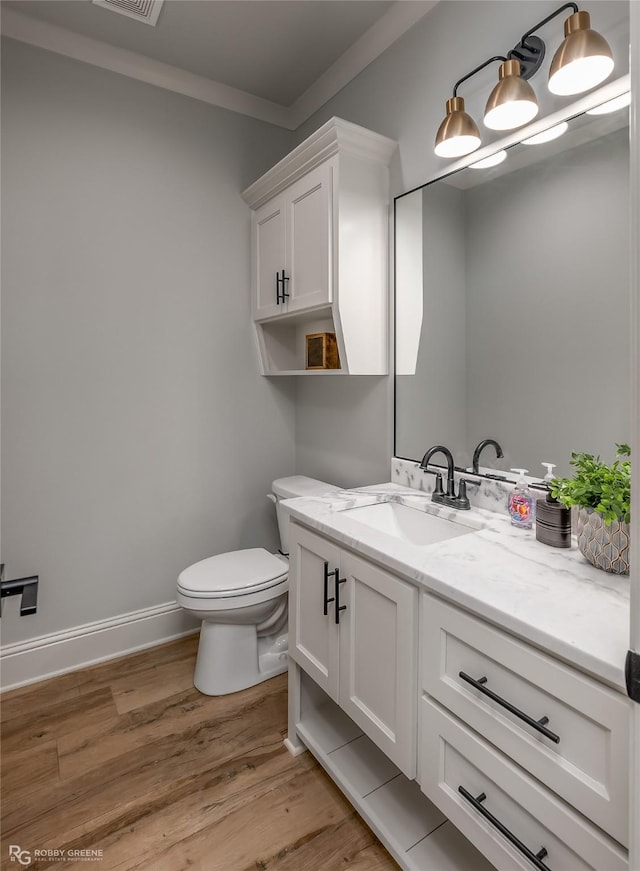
{"x":289,"y":488}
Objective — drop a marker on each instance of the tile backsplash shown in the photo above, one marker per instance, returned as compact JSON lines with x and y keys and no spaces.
{"x":482,"y":492}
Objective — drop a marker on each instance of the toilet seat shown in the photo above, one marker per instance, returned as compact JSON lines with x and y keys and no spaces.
{"x":233,"y":574}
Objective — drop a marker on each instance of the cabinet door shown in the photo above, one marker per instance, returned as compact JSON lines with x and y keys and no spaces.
{"x":313,"y":631}
{"x":269,"y":257}
{"x":309,"y":222}
{"x":378,"y":658}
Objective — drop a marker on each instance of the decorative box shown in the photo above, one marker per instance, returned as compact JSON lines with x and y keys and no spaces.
{"x":321,"y":351}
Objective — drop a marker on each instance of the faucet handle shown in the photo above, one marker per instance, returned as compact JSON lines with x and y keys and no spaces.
{"x":437,"y":490}
{"x":462,"y":500}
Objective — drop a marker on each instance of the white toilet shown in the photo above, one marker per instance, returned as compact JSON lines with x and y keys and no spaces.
{"x":241,"y":598}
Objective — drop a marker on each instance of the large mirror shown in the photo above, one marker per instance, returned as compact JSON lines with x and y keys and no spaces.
{"x":512,"y":304}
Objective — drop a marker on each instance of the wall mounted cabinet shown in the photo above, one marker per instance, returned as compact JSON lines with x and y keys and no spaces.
{"x":320,"y":238}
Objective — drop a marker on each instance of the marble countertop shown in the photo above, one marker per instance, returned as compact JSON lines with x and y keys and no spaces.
{"x":548,"y":596}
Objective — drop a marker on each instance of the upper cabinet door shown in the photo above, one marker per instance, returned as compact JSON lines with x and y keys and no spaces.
{"x":269,"y":257}
{"x":309,"y":233}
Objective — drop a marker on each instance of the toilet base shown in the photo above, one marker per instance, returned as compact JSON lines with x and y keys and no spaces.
{"x":231,"y":658}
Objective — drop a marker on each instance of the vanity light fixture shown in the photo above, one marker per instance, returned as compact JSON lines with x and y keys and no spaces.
{"x":512,"y":102}
{"x":547,"y":135}
{"x":614,"y":105}
{"x":458,"y":134}
{"x":492,"y":160}
{"x":582,"y":61}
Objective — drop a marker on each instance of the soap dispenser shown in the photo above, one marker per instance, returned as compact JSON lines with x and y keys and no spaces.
{"x":553,"y":520}
{"x":521,"y":502}
{"x":548,"y":478}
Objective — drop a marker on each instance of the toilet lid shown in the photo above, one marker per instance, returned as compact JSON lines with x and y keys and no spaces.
{"x":237,"y":572}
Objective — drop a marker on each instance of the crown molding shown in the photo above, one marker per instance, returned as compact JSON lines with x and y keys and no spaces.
{"x":392,"y":25}
{"x":26,"y":28}
{"x":398,"y":19}
{"x":335,"y":136}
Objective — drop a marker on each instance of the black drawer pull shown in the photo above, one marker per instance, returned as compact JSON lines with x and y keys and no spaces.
{"x":338,"y":581}
{"x":534,"y":858}
{"x":538,"y":725}
{"x":281,"y":295}
{"x":326,"y":598}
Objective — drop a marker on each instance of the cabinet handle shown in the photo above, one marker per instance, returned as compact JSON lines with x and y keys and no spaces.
{"x":534,"y":858}
{"x":281,"y":295}
{"x":326,"y":598}
{"x":338,"y":581}
{"x":538,"y":725}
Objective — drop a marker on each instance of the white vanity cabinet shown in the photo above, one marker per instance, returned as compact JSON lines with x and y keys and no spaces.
{"x":320,"y":236}
{"x":353,"y":630}
{"x":491,"y":700}
{"x":462,"y":744}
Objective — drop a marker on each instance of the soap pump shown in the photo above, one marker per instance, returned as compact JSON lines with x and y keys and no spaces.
{"x":548,"y":478}
{"x":521,"y":503}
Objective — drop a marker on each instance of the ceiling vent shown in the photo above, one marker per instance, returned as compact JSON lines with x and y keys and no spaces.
{"x":142,"y":10}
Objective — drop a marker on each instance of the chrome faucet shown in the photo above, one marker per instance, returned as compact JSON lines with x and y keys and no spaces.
{"x":479,"y":448}
{"x":439,"y":496}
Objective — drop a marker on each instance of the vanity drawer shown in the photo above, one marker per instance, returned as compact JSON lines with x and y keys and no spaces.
{"x":576,"y":738}
{"x":465,"y":776}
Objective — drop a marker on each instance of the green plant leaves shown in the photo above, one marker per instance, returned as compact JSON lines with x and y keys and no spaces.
{"x":605,"y":488}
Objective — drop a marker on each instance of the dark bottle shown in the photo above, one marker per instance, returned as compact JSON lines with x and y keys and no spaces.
{"x":553,"y":522}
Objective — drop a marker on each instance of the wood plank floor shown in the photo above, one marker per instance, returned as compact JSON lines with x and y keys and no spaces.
{"x":129,"y":758}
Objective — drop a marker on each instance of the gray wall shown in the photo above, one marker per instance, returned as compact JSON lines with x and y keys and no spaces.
{"x":535,"y":263}
{"x":138,"y":435}
{"x":548,"y":306}
{"x":402,"y":95}
{"x":431,"y":405}
{"x":344,"y":430}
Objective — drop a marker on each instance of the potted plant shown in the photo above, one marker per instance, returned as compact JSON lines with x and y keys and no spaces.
{"x":603,"y":495}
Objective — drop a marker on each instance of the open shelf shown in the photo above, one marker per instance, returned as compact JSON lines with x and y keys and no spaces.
{"x":282,"y":342}
{"x":415,"y":832}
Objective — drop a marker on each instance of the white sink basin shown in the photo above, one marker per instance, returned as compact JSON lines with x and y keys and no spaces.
{"x":407,"y":524}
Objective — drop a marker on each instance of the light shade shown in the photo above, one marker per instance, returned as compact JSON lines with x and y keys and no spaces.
{"x":614,"y":105}
{"x":492,"y":160}
{"x":583,"y":60}
{"x":512,"y":102}
{"x":547,"y":135}
{"x":458,"y":134}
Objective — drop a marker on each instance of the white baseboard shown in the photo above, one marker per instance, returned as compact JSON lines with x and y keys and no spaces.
{"x":295,"y":749}
{"x":30,"y":661}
